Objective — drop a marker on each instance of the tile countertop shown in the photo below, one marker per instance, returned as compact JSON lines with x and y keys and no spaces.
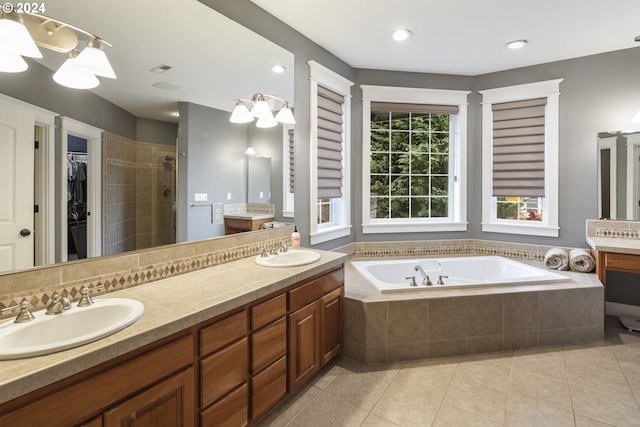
{"x":611,"y":244}
{"x":171,"y":305}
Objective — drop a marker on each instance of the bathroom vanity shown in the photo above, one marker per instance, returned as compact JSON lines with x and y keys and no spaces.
{"x":616,"y":247}
{"x":220,"y":346}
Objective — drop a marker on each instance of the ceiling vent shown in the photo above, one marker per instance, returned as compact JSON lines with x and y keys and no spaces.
{"x":160,"y":68}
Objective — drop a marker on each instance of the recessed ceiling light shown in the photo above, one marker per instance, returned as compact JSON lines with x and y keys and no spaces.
{"x":166,"y":86}
{"x":401,"y":35}
{"x":279,"y":69}
{"x":516,"y":44}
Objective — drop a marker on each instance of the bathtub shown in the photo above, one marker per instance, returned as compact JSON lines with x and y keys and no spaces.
{"x":391,"y":275}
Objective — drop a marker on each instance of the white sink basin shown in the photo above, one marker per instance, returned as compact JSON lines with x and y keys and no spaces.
{"x":73,"y":328}
{"x":291,"y":258}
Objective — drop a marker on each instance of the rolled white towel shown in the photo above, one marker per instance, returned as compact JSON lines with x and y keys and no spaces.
{"x":557,"y":259}
{"x":580,"y":260}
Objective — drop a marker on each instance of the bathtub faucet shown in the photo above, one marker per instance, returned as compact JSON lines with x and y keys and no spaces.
{"x":425,"y":279}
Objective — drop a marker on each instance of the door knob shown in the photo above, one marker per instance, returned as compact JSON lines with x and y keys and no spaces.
{"x":25,"y":232}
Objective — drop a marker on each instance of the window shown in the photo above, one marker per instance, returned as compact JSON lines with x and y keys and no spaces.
{"x":330,"y":150}
{"x":520,"y":159}
{"x":414,"y":154}
{"x":288,"y":171}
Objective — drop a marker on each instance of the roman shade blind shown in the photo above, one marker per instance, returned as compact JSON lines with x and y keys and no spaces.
{"x":330,"y":144}
{"x":518,"y":148}
{"x":397,"y":107}
{"x":291,"y":160}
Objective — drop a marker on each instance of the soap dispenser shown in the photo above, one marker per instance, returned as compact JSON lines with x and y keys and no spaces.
{"x":295,"y":239}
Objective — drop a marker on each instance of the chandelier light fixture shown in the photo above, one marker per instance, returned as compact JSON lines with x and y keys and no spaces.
{"x":22,"y":33}
{"x":262,"y":107}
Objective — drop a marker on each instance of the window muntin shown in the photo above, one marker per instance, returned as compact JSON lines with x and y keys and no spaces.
{"x":409,"y":165}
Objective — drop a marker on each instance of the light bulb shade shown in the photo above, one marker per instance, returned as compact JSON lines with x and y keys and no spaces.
{"x":241,"y":114}
{"x":250,"y":151}
{"x":261,"y":110}
{"x":93,"y":60}
{"x":12,"y":63}
{"x":636,"y":118}
{"x":266,"y":123}
{"x":70,"y":76}
{"x":285,"y":116}
{"x":15,"y":38}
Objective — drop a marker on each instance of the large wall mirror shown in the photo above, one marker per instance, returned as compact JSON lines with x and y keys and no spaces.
{"x":163,"y":58}
{"x":619,"y":175}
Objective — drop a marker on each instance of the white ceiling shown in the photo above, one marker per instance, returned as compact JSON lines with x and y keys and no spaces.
{"x":214,"y":59}
{"x":465,"y":37}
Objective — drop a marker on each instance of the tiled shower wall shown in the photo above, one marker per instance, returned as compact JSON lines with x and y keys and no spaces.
{"x":138,"y":194}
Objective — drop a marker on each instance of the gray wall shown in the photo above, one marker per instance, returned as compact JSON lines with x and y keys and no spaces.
{"x":599,"y":93}
{"x":149,"y":130}
{"x":212,"y":160}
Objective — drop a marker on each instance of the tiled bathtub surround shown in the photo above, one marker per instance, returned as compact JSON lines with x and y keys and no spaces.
{"x":131,"y":269}
{"x":441,"y":322}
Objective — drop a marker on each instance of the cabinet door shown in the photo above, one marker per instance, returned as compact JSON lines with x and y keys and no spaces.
{"x":304,"y":344}
{"x":167,"y":403}
{"x":331,"y":324}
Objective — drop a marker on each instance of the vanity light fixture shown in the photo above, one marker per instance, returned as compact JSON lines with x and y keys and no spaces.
{"x":636,"y":118}
{"x":516,"y":44}
{"x":21,"y":34}
{"x":262,"y":107}
{"x":401,"y":35}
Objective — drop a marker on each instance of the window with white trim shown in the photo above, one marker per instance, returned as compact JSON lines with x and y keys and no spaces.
{"x":520,"y":159}
{"x":330,"y":141}
{"x":414,"y":158}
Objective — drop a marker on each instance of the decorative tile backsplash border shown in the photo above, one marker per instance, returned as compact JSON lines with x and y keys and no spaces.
{"x":147,"y":266}
{"x":449,"y":247}
{"x":613,"y":229}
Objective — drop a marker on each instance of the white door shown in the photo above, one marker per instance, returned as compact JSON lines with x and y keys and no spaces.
{"x":16,"y":189}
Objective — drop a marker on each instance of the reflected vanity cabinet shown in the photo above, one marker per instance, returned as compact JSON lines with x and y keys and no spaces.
{"x":620,"y":274}
{"x":227,"y":371}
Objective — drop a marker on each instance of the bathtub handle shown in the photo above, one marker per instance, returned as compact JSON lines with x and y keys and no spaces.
{"x":440,"y":281}
{"x":412,"y":280}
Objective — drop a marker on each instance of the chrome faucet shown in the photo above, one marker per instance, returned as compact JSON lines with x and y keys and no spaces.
{"x":412,"y":280}
{"x":425,"y":278}
{"x":24,"y":315}
{"x":59,"y":304}
{"x":85,"y":299}
{"x":440,"y":281}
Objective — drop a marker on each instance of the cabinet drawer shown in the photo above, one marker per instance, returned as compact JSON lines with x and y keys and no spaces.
{"x":232,"y":411}
{"x":223,"y":332}
{"x":268,"y":344}
{"x":242,"y":224}
{"x":223,"y":371}
{"x":315,"y":289}
{"x":622,"y":262}
{"x":268,"y":387}
{"x":268,"y":311}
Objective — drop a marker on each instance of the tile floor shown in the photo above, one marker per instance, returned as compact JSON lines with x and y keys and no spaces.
{"x":596,"y":384}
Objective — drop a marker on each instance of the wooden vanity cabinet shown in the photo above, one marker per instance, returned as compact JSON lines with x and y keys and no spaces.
{"x":229,"y":371}
{"x":315,"y":325}
{"x":235,"y":225}
{"x":224,"y":366}
{"x":268,"y":354}
{"x":154,"y":383}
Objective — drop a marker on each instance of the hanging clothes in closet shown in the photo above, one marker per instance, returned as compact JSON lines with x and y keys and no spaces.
{"x":77,"y":183}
